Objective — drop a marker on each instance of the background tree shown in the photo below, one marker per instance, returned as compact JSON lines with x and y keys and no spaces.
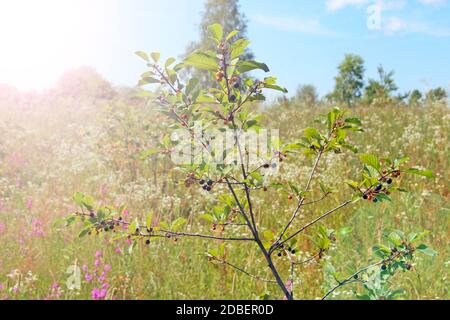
{"x":435,"y":95}
{"x":306,"y":94}
{"x":228,"y":14}
{"x":350,"y":80}
{"x":415,"y":97}
{"x":383,"y":88}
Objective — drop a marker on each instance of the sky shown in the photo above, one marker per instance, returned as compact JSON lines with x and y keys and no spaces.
{"x":302,"y":41}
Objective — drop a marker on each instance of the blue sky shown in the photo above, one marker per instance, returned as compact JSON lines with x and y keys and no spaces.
{"x":302,"y":41}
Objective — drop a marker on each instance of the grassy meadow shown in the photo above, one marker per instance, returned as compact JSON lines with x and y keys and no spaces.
{"x":55,"y":144}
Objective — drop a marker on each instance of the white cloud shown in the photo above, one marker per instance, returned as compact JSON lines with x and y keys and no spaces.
{"x":306,"y":26}
{"x":433,"y":2}
{"x":396,"y":25}
{"x":333,"y":5}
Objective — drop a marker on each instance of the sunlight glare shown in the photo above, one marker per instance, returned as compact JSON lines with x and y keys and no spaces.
{"x":41,"y":39}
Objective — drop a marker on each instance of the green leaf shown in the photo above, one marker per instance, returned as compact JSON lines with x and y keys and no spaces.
{"x":216,"y":31}
{"x":356,"y":121}
{"x":370,"y":160}
{"x":402,"y":161}
{"x":191,"y":85}
{"x":426,"y":250}
{"x":381,"y":251}
{"x":78,"y":198}
{"x":84,"y":233}
{"x":312,"y":133}
{"x":414,"y":237}
{"x":155,"y":56}
{"x":425,"y":173}
{"x":201,"y":61}
{"x":148,"y":153}
{"x":345,"y":231}
{"x":232,"y":34}
{"x":143,"y":55}
{"x":395,"y":239}
{"x":246,"y":66}
{"x":275,"y":87}
{"x":238,"y":48}
{"x":148,"y":80}
{"x":269,"y":235}
{"x":178,"y":223}
{"x":169,"y":62}
{"x":207,"y":217}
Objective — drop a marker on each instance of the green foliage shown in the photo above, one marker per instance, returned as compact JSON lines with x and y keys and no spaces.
{"x":415,"y":98}
{"x":220,"y":18}
{"x":436,"y":95}
{"x":227,"y":104}
{"x":350,"y":80}
{"x":307,"y":95}
{"x":381,"y":89}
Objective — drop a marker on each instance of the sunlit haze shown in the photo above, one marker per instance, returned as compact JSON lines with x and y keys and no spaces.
{"x":42,"y":39}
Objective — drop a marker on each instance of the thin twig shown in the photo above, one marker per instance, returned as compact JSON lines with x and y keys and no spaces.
{"x":315,"y":221}
{"x":245,"y":272}
{"x":300,"y":203}
{"x":351,"y":279}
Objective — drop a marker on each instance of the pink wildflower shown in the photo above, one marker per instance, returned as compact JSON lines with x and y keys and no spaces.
{"x":29,"y":203}
{"x":88,"y":277}
{"x":98,"y":294}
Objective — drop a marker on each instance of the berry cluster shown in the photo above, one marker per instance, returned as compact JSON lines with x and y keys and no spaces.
{"x":206,"y":185}
{"x":284,"y":251}
{"x":398,"y":254}
{"x":383,"y":187}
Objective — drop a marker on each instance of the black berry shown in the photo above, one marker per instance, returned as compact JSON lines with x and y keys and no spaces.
{"x":379,"y":187}
{"x":236,"y":85}
{"x":210,"y":183}
{"x":233,"y":98}
{"x":202,"y":182}
{"x":365,"y":197}
{"x":383,"y":267}
{"x":147,"y":242}
{"x":389,"y":181}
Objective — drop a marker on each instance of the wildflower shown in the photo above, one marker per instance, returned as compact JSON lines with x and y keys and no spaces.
{"x":118,"y":251}
{"x":97,"y":262}
{"x":98,"y":254}
{"x":29,"y":203}
{"x":98,"y":294}
{"x":88,"y":277}
{"x":107,"y":267}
